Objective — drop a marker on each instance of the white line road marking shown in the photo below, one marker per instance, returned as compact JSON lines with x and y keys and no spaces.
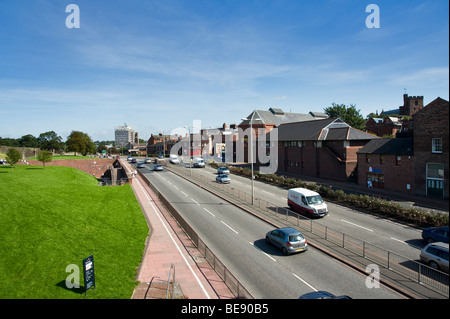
{"x":267,"y":192}
{"x":404,"y":242}
{"x":185,"y":194}
{"x":173,"y":240}
{"x":263,"y":252}
{"x":305,"y":282}
{"x":175,"y":187}
{"x":356,"y":225}
{"x":401,"y":241}
{"x":209,"y":212}
{"x":195,"y":201}
{"x":228,"y":226}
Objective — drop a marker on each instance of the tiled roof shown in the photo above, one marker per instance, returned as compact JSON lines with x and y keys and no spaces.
{"x":389,"y":146}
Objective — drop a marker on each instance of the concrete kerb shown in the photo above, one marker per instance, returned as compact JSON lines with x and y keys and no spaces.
{"x":361,"y":267}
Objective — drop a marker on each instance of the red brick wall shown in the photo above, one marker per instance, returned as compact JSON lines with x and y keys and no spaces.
{"x":431,"y":122}
{"x":396,"y":177}
{"x":95,"y":166}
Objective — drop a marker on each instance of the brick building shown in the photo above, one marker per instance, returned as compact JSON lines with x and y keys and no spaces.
{"x":386,"y":126}
{"x":388,"y":164}
{"x":431,"y":149}
{"x":324,"y":148}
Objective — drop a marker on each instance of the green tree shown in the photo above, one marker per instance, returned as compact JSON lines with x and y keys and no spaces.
{"x":50,"y":141}
{"x":80,"y":142}
{"x":12,"y":157}
{"x":28,"y":141}
{"x":44,"y":157}
{"x":349,"y":115}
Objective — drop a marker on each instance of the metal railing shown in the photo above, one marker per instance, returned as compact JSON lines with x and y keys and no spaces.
{"x":411,"y":269}
{"x":169,"y":292}
{"x":222,"y":271}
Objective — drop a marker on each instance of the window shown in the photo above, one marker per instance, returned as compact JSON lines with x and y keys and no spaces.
{"x":367,"y":158}
{"x":382,"y":159}
{"x":398,"y":160}
{"x":435,"y":170}
{"x":436,"y":145}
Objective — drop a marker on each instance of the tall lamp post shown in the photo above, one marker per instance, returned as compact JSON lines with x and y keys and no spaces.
{"x":189,"y":148}
{"x":251,"y":149}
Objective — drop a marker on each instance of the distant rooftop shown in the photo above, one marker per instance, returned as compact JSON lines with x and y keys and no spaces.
{"x":277,"y":116}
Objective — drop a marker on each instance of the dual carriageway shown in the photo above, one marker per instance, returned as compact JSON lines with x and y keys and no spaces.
{"x":238,"y":238}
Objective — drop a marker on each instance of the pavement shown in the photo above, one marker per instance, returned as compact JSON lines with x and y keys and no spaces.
{"x":171,"y":257}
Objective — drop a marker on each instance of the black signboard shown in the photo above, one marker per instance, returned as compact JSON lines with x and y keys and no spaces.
{"x":89,"y":275}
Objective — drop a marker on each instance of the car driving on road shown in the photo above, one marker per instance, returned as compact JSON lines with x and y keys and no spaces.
{"x":223,"y":170}
{"x":288,"y":239}
{"x":223,"y":178}
{"x":435,"y":234}
{"x":158,"y":167}
{"x":435,"y":255}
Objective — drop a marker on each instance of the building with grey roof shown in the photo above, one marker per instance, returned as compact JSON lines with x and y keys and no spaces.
{"x":324,"y":148}
{"x":387,"y":163}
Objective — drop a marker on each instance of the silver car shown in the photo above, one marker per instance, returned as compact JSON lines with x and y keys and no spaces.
{"x":223,"y":178}
{"x":223,"y":170}
{"x":435,"y":255}
{"x":288,"y":239}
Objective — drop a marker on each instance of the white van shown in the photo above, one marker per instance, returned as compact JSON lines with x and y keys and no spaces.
{"x":174,"y":159}
{"x":306,"y":201}
{"x":198,"y":162}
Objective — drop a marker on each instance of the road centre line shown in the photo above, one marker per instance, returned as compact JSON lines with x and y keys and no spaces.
{"x":228,"y":226}
{"x":263,"y":252}
{"x":356,"y":225}
{"x":185,"y":194}
{"x":209,"y":212}
{"x":195,"y":201}
{"x":305,"y":282}
{"x":173,"y":240}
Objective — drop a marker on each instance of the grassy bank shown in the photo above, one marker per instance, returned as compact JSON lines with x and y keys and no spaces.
{"x":56,"y":216}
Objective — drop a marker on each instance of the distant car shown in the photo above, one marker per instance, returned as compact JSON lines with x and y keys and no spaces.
{"x":322,"y":295}
{"x":223,"y":178}
{"x":160,"y":156}
{"x":158,"y":167}
{"x":435,"y":234}
{"x":223,"y":170}
{"x":288,"y":239}
{"x":435,"y":255}
{"x":147,"y":161}
{"x":174,"y":159}
{"x":129,"y":158}
{"x":133,"y":160}
{"x":140,"y":165}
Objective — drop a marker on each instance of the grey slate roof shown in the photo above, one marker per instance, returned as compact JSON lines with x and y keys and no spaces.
{"x":277,"y":117}
{"x":329,"y":129}
{"x":389,"y":146}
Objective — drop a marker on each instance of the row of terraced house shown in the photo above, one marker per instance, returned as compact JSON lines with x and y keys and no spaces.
{"x":313,"y":145}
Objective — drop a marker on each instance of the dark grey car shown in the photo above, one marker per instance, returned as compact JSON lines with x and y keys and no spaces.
{"x":288,"y":239}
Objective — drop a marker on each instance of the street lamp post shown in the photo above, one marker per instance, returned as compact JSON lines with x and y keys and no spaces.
{"x":189,"y":148}
{"x":251,"y":150}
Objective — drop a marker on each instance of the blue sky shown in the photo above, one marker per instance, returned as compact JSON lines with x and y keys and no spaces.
{"x":159,"y":65}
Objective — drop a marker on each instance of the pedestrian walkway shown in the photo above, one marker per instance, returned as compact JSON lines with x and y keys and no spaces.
{"x":168,"y":245}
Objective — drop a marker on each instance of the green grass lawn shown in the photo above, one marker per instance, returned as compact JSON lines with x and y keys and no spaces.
{"x":56,"y":216}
